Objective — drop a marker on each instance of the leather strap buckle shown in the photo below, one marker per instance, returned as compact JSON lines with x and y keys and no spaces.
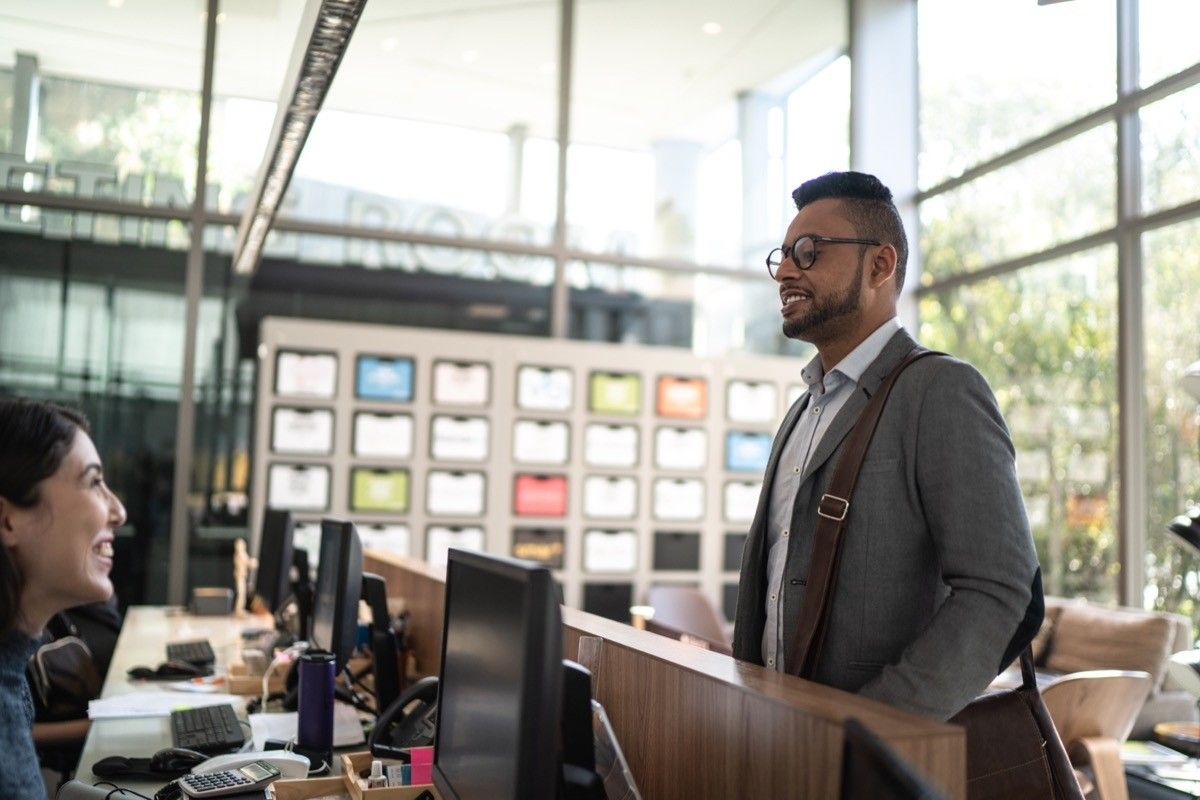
{"x":833,"y":515}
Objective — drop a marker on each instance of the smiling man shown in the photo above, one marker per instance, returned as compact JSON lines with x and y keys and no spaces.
{"x":938,"y":586}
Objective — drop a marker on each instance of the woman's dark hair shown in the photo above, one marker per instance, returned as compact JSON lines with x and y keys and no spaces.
{"x":34,"y":439}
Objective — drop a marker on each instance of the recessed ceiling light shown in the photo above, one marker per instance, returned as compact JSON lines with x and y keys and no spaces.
{"x":220,"y":17}
{"x":115,"y":3}
{"x":389,"y":43}
{"x":711,"y":28}
{"x":470,"y":56}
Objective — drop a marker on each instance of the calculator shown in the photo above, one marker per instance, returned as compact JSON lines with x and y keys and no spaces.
{"x":252,"y":776}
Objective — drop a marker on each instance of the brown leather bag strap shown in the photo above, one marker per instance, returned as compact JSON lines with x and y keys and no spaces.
{"x":832,"y":512}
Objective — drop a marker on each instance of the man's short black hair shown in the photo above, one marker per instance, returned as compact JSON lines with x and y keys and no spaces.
{"x":869,"y":208}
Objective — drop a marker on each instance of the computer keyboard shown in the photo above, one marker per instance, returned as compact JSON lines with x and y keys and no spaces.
{"x":211,"y":729}
{"x":197,"y":652}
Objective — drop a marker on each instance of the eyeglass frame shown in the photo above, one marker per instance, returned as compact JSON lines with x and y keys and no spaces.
{"x":789,"y":250}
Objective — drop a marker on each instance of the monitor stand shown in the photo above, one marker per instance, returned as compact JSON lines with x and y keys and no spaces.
{"x":579,"y":778}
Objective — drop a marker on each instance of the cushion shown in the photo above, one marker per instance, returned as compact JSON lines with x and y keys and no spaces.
{"x":1095,"y":638}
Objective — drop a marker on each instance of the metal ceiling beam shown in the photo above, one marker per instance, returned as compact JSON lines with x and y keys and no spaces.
{"x":321,"y":40}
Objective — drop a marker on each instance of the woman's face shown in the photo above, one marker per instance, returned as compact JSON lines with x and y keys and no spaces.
{"x":63,"y":546}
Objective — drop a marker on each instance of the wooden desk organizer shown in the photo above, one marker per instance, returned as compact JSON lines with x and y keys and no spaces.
{"x":354,"y":763}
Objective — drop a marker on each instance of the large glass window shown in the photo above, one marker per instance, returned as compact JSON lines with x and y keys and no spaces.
{"x":1171,"y":150}
{"x":1167,"y":31}
{"x":679,"y":123}
{"x":818,"y":125}
{"x":1172,"y":433}
{"x":996,"y":74}
{"x":1046,"y":337}
{"x":1056,"y":195}
{"x":117,"y":91}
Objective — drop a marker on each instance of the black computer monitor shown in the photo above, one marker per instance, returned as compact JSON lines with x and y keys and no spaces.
{"x":272,"y":582}
{"x":501,"y":684}
{"x":339,"y":587}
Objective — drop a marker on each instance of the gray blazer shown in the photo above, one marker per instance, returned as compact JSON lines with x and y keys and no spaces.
{"x":938,"y":569}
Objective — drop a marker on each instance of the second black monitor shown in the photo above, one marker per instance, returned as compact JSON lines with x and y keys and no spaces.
{"x":339,"y":587}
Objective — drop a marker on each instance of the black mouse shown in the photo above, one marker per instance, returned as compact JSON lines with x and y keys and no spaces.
{"x":167,"y":669}
{"x":112,"y":767}
{"x":175,"y":759}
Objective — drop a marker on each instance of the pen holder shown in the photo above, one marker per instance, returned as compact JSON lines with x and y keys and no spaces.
{"x":314,"y":727}
{"x":354,"y":763}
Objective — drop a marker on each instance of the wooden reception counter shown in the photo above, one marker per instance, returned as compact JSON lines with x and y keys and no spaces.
{"x":698,"y":724}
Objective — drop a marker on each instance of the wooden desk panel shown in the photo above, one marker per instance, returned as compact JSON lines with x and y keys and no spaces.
{"x":698,"y":724}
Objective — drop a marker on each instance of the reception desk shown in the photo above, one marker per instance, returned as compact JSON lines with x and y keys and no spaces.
{"x":698,"y":724}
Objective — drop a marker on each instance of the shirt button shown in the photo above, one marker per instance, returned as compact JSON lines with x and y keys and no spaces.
{"x":817,"y":410}
{"x":770,"y":662}
{"x":795,"y":470}
{"x":786,"y":531}
{"x":772,"y":597}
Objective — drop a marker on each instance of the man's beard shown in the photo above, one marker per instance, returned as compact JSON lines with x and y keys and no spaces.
{"x":825,"y":317}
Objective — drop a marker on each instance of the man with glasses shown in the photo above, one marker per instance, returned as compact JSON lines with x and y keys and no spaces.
{"x":937,"y":586}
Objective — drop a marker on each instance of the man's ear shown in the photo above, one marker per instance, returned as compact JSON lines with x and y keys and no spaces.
{"x":883,"y":266}
{"x":8,"y":523}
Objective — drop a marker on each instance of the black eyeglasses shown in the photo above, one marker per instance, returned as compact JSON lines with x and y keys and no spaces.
{"x":803,"y":251}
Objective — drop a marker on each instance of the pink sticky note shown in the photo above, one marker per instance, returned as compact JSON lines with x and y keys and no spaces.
{"x":420,"y":756}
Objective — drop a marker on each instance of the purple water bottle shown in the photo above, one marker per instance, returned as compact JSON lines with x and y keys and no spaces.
{"x":314,"y":729}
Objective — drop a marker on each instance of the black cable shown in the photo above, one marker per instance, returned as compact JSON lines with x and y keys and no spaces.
{"x":116,"y":788}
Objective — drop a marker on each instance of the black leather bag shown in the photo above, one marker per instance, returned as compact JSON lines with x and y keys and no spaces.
{"x":63,"y":675}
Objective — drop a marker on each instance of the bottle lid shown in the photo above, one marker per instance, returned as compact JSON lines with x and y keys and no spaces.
{"x":376,"y":768}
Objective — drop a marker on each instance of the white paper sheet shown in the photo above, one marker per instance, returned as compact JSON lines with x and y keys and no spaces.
{"x":610,"y":445}
{"x":461,"y":384}
{"x":305,"y":374}
{"x":307,"y":536}
{"x":741,"y":500}
{"x":751,"y":402}
{"x":544,"y":388}
{"x":609,"y":551}
{"x":391,"y":538}
{"x":442,"y":537}
{"x":609,"y":498}
{"x":540,"y":442}
{"x":678,"y":499}
{"x":459,"y":438}
{"x":301,"y":430}
{"x":680,"y":448}
{"x":383,"y":435}
{"x":297,"y":487}
{"x":456,"y":493}
{"x":156,"y":704}
{"x":347,"y":729}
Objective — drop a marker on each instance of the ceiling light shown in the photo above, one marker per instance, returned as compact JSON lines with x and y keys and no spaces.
{"x":389,"y":43}
{"x":322,"y":39}
{"x":220,"y":17}
{"x":711,"y":28}
{"x":115,"y":3}
{"x":470,"y":56}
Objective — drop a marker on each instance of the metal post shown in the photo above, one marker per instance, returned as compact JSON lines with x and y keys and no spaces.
{"x":27,"y":93}
{"x":185,"y":421}
{"x":558,"y":300}
{"x":1131,"y":524}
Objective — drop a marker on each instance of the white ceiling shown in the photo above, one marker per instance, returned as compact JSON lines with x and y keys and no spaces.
{"x":644,"y":69}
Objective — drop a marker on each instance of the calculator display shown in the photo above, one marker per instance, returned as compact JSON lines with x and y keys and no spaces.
{"x":255,"y":772}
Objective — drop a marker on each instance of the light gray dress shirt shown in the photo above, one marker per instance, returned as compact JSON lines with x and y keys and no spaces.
{"x":826,"y":396}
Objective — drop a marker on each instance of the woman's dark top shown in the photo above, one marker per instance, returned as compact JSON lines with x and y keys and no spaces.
{"x":20,"y":778}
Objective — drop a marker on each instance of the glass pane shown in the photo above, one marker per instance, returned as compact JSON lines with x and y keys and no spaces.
{"x":432,"y":124}
{"x":679,"y":124}
{"x":1054,"y":196}
{"x":100,"y":326}
{"x":1168,"y":37}
{"x":117,"y":93}
{"x":993,"y":75}
{"x":1172,"y":434}
{"x":6,"y":110}
{"x":708,"y":314}
{"x":1045,"y":337}
{"x":1171,"y":150}
{"x":819,"y":126}
{"x":252,"y":55}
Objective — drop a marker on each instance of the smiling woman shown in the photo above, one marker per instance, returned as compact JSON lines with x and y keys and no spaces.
{"x":57,"y":518}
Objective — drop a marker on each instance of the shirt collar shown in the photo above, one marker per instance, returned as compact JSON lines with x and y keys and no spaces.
{"x":856,"y":361}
